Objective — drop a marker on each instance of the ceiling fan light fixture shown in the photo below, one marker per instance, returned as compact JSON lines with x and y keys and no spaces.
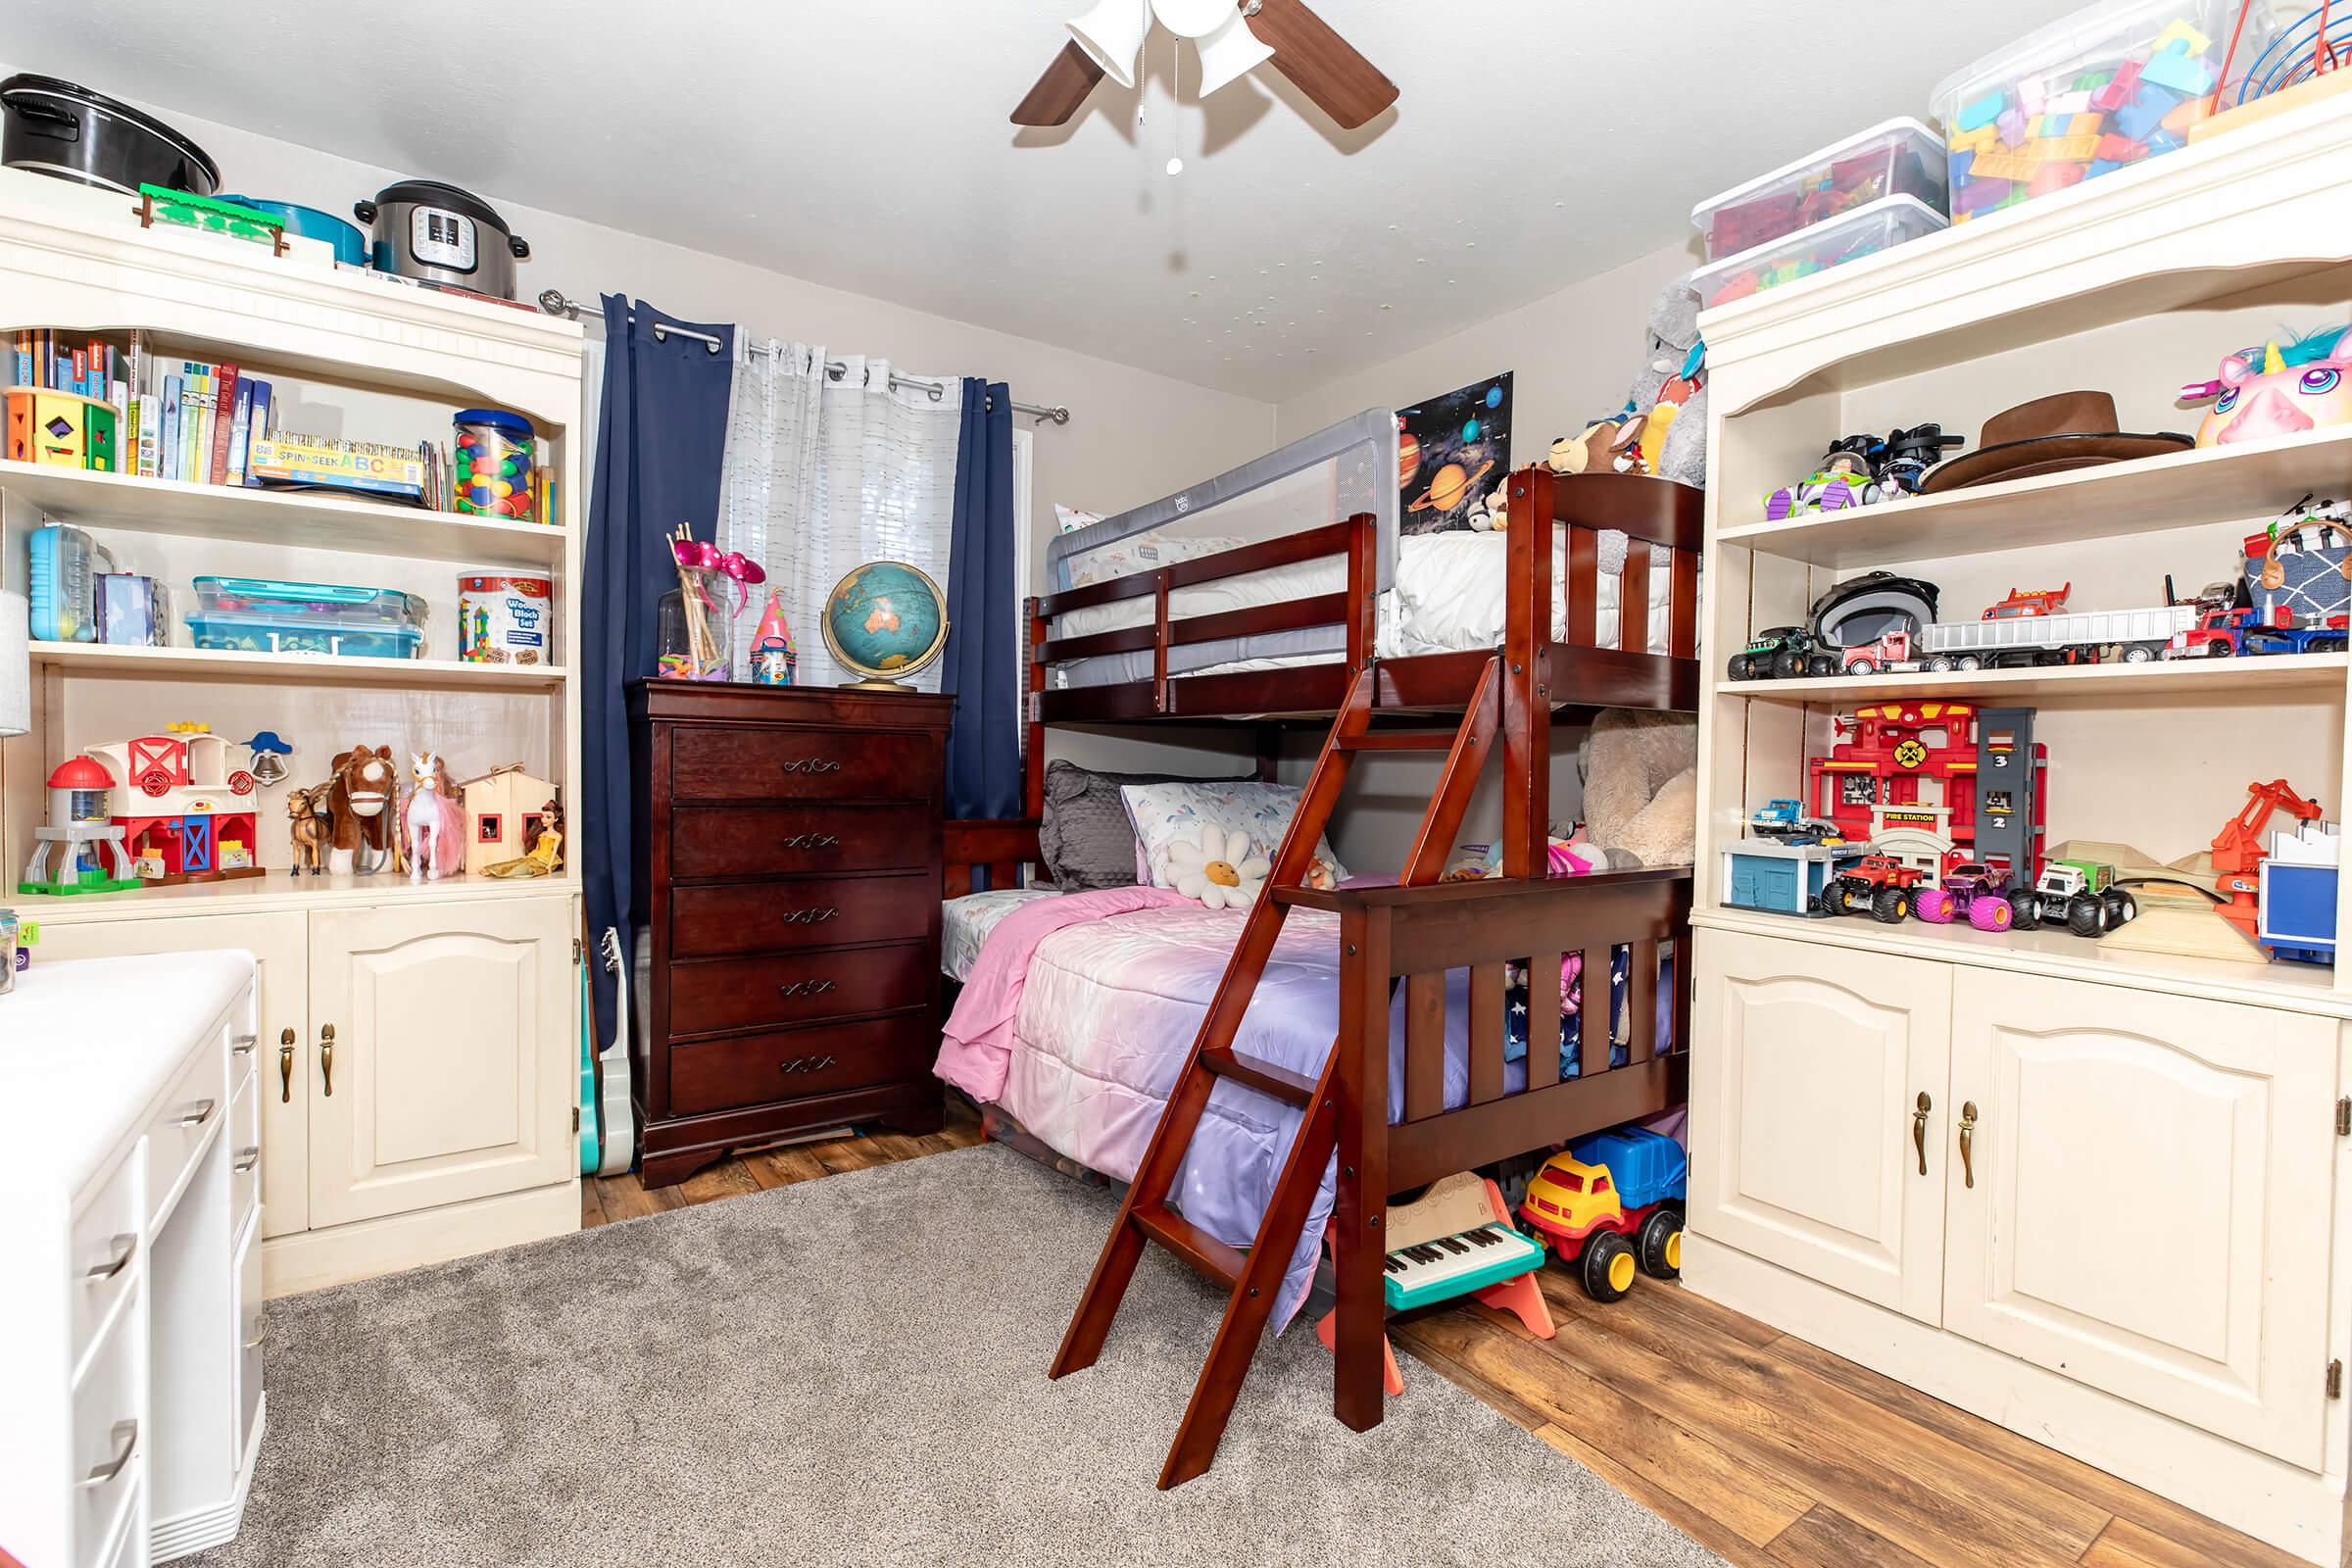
{"x":1112,"y":34}
{"x":1229,"y":53}
{"x":1194,"y":19}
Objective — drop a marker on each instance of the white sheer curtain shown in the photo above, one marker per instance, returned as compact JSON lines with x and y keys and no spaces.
{"x":822,"y":475}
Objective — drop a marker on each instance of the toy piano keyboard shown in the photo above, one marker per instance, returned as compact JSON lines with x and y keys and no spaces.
{"x":1458,"y":1240}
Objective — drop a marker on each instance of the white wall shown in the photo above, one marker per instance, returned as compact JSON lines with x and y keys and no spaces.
{"x":1574,"y":355}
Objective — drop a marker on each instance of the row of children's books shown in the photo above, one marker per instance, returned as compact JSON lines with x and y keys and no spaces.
{"x":186,"y":419}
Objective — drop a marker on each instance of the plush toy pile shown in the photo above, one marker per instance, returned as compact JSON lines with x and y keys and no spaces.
{"x":1662,"y":429}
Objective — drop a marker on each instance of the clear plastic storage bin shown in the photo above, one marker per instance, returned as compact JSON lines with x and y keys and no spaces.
{"x":2092,"y":93}
{"x":1900,"y":158}
{"x":257,"y":615}
{"x":1864,"y":232}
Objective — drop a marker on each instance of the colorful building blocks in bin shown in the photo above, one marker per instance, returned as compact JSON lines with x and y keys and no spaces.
{"x":2295,"y":897}
{"x":1849,"y":236}
{"x":1898,"y":158}
{"x":1778,"y":876}
{"x":2147,"y":66}
{"x":1606,"y":1188}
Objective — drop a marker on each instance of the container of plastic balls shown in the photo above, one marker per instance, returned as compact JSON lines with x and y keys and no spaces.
{"x":491,"y":467}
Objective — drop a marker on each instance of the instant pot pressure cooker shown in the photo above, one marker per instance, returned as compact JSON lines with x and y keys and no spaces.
{"x":425,"y":229}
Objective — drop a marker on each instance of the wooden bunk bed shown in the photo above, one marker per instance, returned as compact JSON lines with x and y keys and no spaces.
{"x":1408,"y":935}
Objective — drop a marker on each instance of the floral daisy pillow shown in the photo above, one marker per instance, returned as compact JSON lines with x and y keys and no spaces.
{"x":1166,"y":816}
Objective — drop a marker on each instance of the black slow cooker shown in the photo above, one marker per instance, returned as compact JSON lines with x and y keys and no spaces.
{"x":55,"y":127}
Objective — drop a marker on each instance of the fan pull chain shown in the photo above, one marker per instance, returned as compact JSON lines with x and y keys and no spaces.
{"x":1176,"y":91}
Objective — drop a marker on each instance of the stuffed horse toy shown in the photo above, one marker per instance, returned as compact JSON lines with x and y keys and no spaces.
{"x":434,"y":823}
{"x":359,"y":808}
{"x":308,"y":829}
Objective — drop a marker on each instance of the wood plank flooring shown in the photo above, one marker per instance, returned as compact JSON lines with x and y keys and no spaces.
{"x":1770,"y":1451}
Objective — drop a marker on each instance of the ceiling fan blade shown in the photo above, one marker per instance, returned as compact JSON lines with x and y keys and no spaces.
{"x":1342,"y":83}
{"x":1060,"y":90}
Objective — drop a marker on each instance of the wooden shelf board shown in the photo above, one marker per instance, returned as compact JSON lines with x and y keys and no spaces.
{"x":296,"y":519}
{"x":279,"y":891}
{"x":2273,"y":672}
{"x":2299,"y":987}
{"x":2208,"y":484}
{"x":301,"y":669}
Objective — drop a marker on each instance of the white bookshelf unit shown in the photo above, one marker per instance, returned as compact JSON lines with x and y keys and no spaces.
{"x":420,"y":1042}
{"x":2100,"y":1194}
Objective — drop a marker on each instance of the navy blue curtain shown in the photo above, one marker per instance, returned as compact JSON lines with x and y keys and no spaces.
{"x":981,"y":662}
{"x":657,"y":465}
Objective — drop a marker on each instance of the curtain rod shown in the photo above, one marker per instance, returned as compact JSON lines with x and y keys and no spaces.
{"x":554,"y":303}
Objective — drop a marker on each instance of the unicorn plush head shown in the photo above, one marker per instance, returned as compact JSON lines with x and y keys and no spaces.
{"x":2278,"y":389}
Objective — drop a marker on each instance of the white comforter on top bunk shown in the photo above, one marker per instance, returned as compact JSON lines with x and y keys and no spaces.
{"x":1448,"y":596}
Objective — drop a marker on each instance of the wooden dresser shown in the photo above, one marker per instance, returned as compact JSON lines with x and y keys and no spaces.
{"x":788,"y":858}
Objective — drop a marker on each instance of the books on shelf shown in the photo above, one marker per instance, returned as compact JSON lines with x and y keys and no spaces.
{"x":200,"y":423}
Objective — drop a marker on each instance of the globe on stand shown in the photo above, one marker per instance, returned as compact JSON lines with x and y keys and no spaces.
{"x":884,"y":622}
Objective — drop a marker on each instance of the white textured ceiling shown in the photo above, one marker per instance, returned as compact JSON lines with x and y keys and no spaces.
{"x":863,"y":144}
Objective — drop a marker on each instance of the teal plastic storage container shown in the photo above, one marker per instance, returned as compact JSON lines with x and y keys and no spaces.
{"x":251,"y":614}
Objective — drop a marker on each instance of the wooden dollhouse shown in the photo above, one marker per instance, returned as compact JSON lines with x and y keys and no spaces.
{"x":506,"y":809}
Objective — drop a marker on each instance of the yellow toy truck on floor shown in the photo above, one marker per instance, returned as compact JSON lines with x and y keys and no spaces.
{"x":1606,"y":1188}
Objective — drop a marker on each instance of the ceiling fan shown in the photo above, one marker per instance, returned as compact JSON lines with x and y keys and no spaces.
{"x":1232,"y":39}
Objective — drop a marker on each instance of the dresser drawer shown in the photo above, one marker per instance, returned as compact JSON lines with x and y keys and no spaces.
{"x":709,"y":764}
{"x":716,"y":841}
{"x":250,"y":1332}
{"x":103,"y":1252}
{"x":192,"y":1111}
{"x":244,"y":1153}
{"x":720,"y":994}
{"x":107,"y":1451}
{"x":795,"y":1063}
{"x":822,"y":911}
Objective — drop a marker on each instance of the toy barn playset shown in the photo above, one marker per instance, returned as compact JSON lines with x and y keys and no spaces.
{"x":170,"y":809}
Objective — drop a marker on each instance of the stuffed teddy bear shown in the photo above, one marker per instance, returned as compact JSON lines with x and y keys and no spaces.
{"x":1218,"y":868}
{"x":1662,"y":429}
{"x":1641,"y":776}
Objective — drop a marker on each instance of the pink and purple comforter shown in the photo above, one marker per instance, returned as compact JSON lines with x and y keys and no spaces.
{"x":1082,"y":1008}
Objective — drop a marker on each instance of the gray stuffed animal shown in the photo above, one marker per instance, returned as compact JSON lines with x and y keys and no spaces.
{"x":1663,"y":427}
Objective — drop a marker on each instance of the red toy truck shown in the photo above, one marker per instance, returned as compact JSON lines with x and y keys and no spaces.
{"x":1879,"y":883}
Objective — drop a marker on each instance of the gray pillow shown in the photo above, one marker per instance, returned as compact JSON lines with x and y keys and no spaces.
{"x":1083,"y":834}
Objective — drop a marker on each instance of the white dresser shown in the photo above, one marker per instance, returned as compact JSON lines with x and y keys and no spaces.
{"x":130,"y":1205}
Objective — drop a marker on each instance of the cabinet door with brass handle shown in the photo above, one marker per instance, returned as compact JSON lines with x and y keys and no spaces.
{"x":327,"y":1058}
{"x":285,"y":1067}
{"x":1968,"y":1142}
{"x":1919,"y":1129}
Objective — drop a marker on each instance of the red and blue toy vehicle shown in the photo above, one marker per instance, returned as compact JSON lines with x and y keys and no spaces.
{"x":1612,"y":1204}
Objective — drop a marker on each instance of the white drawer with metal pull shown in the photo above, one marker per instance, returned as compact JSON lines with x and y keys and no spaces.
{"x":102,"y":1256}
{"x":105,"y":1445}
{"x":189,"y":1115}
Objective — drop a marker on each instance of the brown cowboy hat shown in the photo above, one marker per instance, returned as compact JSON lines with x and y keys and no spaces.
{"x":2048,"y":435}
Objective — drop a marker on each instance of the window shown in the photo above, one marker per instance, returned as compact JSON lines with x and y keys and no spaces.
{"x":1570,"y":1180}
{"x":488,"y":828}
{"x":1600,"y":1184}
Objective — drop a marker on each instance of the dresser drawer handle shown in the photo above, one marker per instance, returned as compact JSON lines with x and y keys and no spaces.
{"x":117,"y":1260}
{"x":807,"y":1064}
{"x":198,"y":1114}
{"x":247,"y":1158}
{"x":253,"y":1343}
{"x":809,"y":917}
{"x":127,"y":1438}
{"x":813,"y":764}
{"x":811,"y":840}
{"x":807,"y":988}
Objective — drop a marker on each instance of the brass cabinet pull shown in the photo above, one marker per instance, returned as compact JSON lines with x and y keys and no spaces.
{"x":243,"y":1044}
{"x":1919,"y":1129}
{"x":809,"y":917}
{"x":807,"y":1065}
{"x":813,"y":764}
{"x":247,"y":1158}
{"x":1968,"y":1141}
{"x":807,"y":988}
{"x":127,"y":1438}
{"x":116,"y":1260}
{"x":199,"y":1113}
{"x":285,"y":1069}
{"x":812,"y":841}
{"x":326,"y":1057}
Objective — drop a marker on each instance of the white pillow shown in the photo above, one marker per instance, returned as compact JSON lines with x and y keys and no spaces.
{"x":1163,"y":813}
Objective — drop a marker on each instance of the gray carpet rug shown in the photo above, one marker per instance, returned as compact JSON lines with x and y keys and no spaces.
{"x":852,"y":1371}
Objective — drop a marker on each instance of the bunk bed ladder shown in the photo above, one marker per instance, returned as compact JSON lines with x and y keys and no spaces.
{"x":1253,"y":1277}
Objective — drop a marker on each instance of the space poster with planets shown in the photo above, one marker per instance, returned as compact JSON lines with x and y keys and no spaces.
{"x":1450,"y":452}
